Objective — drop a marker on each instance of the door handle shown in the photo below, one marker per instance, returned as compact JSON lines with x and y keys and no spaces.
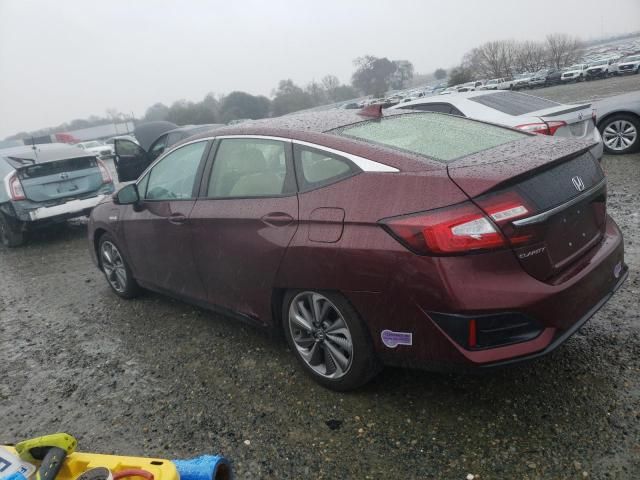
{"x":277,"y":219}
{"x":177,"y":218}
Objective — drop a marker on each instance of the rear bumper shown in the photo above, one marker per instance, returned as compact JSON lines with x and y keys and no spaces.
{"x":65,"y":209}
{"x":486,"y":284}
{"x":564,"y":336}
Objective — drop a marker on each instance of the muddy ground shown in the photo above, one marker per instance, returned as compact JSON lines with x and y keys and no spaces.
{"x":158,"y":377}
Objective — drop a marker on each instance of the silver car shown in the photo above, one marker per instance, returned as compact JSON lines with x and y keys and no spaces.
{"x":45,"y":184}
{"x":619,"y":122}
{"x":518,"y":110}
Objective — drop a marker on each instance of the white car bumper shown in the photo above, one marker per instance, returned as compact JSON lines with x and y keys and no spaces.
{"x":72,"y":206}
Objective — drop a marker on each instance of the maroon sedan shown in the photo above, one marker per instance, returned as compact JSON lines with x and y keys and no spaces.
{"x":417,"y":239}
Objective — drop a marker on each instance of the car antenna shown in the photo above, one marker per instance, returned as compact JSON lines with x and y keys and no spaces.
{"x":374,"y":111}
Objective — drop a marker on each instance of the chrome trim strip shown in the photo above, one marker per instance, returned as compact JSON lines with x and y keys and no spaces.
{"x":542,"y":217}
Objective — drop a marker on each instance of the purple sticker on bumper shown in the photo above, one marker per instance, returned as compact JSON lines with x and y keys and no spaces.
{"x":393,"y":339}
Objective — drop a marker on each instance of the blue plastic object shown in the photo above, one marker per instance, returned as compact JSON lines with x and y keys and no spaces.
{"x":205,"y":467}
{"x":14,"y":476}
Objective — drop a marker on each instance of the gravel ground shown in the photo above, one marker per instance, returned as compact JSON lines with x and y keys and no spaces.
{"x":158,"y":377}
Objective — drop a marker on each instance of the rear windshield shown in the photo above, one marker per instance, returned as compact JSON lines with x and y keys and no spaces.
{"x":57,"y":167}
{"x":513,"y":103}
{"x":438,"y":136}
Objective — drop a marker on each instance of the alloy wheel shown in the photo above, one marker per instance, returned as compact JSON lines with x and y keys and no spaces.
{"x":113,"y":266}
{"x":620,"y":135}
{"x":321,"y":335}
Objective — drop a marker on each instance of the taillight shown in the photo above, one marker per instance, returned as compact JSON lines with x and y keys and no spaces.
{"x":106,"y":176}
{"x":454,"y":230}
{"x":16,"y":192}
{"x":543,"y":128}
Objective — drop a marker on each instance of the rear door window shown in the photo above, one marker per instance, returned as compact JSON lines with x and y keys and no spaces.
{"x":250,"y":167}
{"x":316,"y":167}
{"x":513,"y":103}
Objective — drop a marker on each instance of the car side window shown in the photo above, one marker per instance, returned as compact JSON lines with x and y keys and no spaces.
{"x":173,"y":177}
{"x":437,"y":107}
{"x":250,"y":167}
{"x":174,"y":137}
{"x":158,"y":147}
{"x":316,"y":168}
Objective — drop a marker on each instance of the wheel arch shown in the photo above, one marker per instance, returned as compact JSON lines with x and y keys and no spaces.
{"x":97,"y":235}
{"x":602,"y":120}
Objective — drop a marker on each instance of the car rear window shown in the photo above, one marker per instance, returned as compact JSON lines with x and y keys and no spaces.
{"x":513,"y":103}
{"x":59,"y":166}
{"x":434,"y":135}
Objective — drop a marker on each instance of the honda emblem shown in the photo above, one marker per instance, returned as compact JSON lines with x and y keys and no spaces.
{"x":578,"y":183}
{"x":64,"y":176}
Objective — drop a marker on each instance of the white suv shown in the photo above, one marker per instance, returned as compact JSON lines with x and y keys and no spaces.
{"x":601,"y":69}
{"x":629,"y":65}
{"x":575,"y":73}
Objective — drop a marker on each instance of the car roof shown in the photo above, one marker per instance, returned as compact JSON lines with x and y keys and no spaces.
{"x":296,"y":125}
{"x":317,"y":128}
{"x":47,"y":152}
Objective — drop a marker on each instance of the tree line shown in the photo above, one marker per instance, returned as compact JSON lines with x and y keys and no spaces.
{"x":372,"y":76}
{"x":505,"y":58}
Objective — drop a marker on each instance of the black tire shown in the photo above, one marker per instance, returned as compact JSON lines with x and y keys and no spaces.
{"x":364,"y":363}
{"x":635,"y":121}
{"x":11,"y":233}
{"x":128,"y":286}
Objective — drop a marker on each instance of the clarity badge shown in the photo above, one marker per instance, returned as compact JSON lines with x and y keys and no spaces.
{"x":393,"y":339}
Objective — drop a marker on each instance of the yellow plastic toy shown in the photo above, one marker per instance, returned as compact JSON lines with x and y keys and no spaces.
{"x":77,"y":463}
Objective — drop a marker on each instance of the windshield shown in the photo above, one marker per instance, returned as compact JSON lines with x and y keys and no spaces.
{"x":441,"y":137}
{"x":634,"y":58}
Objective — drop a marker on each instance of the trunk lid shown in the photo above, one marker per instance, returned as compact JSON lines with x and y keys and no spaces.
{"x":562,"y":187}
{"x":56,"y":180}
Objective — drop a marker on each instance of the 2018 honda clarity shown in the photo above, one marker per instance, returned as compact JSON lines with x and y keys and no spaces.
{"x":370,"y":238}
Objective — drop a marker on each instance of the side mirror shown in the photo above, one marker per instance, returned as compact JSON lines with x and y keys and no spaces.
{"x":127,"y":195}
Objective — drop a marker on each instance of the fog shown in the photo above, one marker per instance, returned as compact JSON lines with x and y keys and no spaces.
{"x":72,"y":59}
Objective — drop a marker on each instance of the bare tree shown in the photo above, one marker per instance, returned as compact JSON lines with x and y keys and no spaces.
{"x":530,"y":56}
{"x":562,"y":49}
{"x":491,"y":59}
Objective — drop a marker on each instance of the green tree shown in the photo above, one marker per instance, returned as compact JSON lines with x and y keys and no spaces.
{"x":440,"y":74}
{"x":288,"y":98}
{"x":459,"y":74}
{"x":240,"y":105}
{"x":372,"y":75}
{"x":157,"y":111}
{"x":402,"y":75}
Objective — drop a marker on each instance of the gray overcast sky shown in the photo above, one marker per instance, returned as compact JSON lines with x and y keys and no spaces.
{"x":72,"y":58}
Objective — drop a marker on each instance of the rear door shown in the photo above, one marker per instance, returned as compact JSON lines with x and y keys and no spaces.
{"x":130,"y":159}
{"x":245,"y":222}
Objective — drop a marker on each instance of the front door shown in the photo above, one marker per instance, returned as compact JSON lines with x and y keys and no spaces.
{"x":130,"y":159}
{"x":245,"y":222}
{"x":158,"y":231}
